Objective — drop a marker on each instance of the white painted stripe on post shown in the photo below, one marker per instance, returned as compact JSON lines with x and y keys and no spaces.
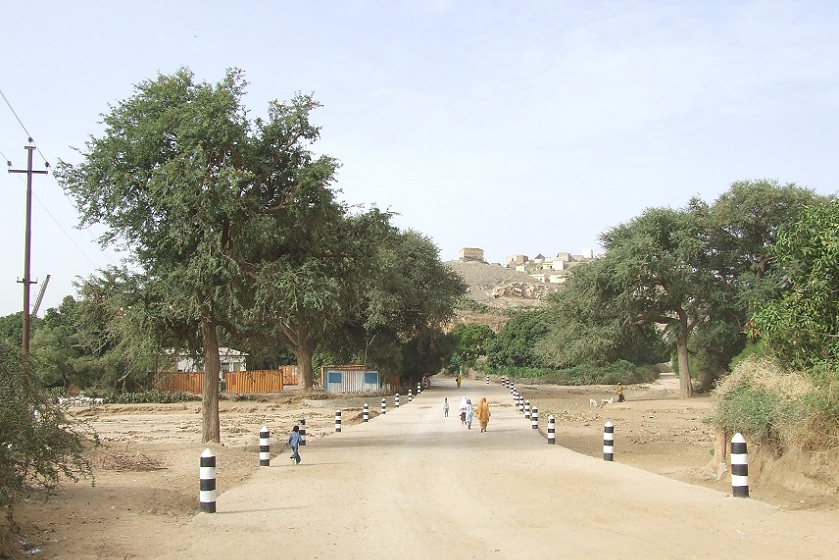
{"x":264,"y":447}
{"x":207,"y":476}
{"x":551,"y":429}
{"x":608,"y":442}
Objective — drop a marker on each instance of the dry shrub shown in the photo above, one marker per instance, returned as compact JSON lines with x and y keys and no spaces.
{"x":767,"y":405}
{"x":766,"y":374}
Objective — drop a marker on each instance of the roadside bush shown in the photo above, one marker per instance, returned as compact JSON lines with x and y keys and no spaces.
{"x":148,"y":397}
{"x":766,"y":404}
{"x":621,"y":371}
{"x":39,"y":444}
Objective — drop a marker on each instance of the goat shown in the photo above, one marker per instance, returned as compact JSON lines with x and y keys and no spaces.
{"x":604,"y":402}
{"x":592,"y":402}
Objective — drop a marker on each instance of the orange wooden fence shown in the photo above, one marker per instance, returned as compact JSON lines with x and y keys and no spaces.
{"x":181,"y":382}
{"x":255,"y":381}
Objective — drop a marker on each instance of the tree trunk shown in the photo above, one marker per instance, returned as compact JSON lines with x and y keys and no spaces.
{"x":210,"y":427}
{"x":304,"y":365}
{"x":685,"y":386}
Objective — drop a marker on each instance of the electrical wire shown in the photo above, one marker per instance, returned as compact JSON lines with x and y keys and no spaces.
{"x":23,"y":126}
{"x":44,"y":206}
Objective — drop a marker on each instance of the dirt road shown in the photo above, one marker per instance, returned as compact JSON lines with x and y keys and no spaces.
{"x":412,"y":484}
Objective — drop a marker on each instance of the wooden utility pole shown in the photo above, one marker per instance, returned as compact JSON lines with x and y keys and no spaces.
{"x":27,"y":239}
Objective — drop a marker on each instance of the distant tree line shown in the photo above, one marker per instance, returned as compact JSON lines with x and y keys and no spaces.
{"x":696,"y":284}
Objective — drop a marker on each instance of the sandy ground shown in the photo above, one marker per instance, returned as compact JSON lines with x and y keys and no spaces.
{"x":413,"y":484}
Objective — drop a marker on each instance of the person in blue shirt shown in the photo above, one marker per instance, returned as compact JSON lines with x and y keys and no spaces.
{"x":294,"y":443}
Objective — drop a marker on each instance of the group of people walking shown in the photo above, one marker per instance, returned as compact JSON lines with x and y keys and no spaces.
{"x":468,"y":412}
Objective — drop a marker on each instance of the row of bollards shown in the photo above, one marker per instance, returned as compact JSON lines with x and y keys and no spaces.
{"x":207,"y":468}
{"x":739,"y":453}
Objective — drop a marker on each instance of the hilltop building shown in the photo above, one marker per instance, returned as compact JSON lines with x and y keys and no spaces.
{"x":471,"y":254}
{"x":549,"y":270}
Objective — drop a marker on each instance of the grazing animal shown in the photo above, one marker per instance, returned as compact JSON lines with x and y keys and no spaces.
{"x":604,"y":402}
{"x":592,"y":402}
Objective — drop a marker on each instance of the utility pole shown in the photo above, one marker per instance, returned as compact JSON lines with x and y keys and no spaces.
{"x":27,"y":239}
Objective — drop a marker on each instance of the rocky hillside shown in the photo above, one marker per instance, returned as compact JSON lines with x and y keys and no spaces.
{"x":497,"y":289}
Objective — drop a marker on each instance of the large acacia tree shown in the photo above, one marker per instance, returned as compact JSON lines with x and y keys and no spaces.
{"x":656,"y":272}
{"x":189,"y":185}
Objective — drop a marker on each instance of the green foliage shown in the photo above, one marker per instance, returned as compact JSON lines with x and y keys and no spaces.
{"x":472,"y":341}
{"x":586,"y":374}
{"x":406,"y":297}
{"x":470,"y":304}
{"x":39,"y":443}
{"x":753,"y":350}
{"x":689,"y":274}
{"x":152,"y":396}
{"x":825,"y":400}
{"x":766,"y":404}
{"x":802,"y":328}
{"x":513,"y":345}
{"x":587,"y":328}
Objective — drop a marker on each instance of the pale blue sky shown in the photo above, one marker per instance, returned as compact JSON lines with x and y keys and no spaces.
{"x":514,"y":126}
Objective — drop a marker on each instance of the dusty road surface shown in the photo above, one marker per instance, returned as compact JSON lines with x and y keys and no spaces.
{"x":413,"y":484}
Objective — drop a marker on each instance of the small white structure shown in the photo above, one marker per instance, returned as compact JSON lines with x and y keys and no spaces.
{"x":231,"y":360}
{"x":350,"y":379}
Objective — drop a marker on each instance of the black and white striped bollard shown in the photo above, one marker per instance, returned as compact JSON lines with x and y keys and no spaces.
{"x":487,"y":379}
{"x":264,"y":447}
{"x":609,"y":442}
{"x":338,"y":421}
{"x":551,"y":430}
{"x":384,"y":406}
{"x":527,"y":409}
{"x":410,"y":396}
{"x":419,"y":388}
{"x":521,"y":404}
{"x":365,"y":417}
{"x":207,"y":474}
{"x":302,"y":425}
{"x":534,"y":418}
{"x":396,"y":401}
{"x":739,"y":467}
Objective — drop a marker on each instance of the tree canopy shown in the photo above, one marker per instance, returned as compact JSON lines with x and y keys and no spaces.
{"x":690,"y":274}
{"x":802,"y":326}
{"x":202,"y":197}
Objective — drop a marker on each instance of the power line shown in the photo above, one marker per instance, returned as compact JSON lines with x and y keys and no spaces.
{"x":44,"y":206}
{"x":23,"y":126}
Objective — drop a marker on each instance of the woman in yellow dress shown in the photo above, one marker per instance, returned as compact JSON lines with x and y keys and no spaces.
{"x":483,"y":414}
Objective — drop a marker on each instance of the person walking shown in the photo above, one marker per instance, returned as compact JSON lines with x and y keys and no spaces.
{"x":459,"y":380}
{"x":294,"y":443}
{"x":462,"y":411}
{"x":446,"y":407}
{"x":619,"y":393}
{"x":483,"y":414}
{"x":469,"y":413}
